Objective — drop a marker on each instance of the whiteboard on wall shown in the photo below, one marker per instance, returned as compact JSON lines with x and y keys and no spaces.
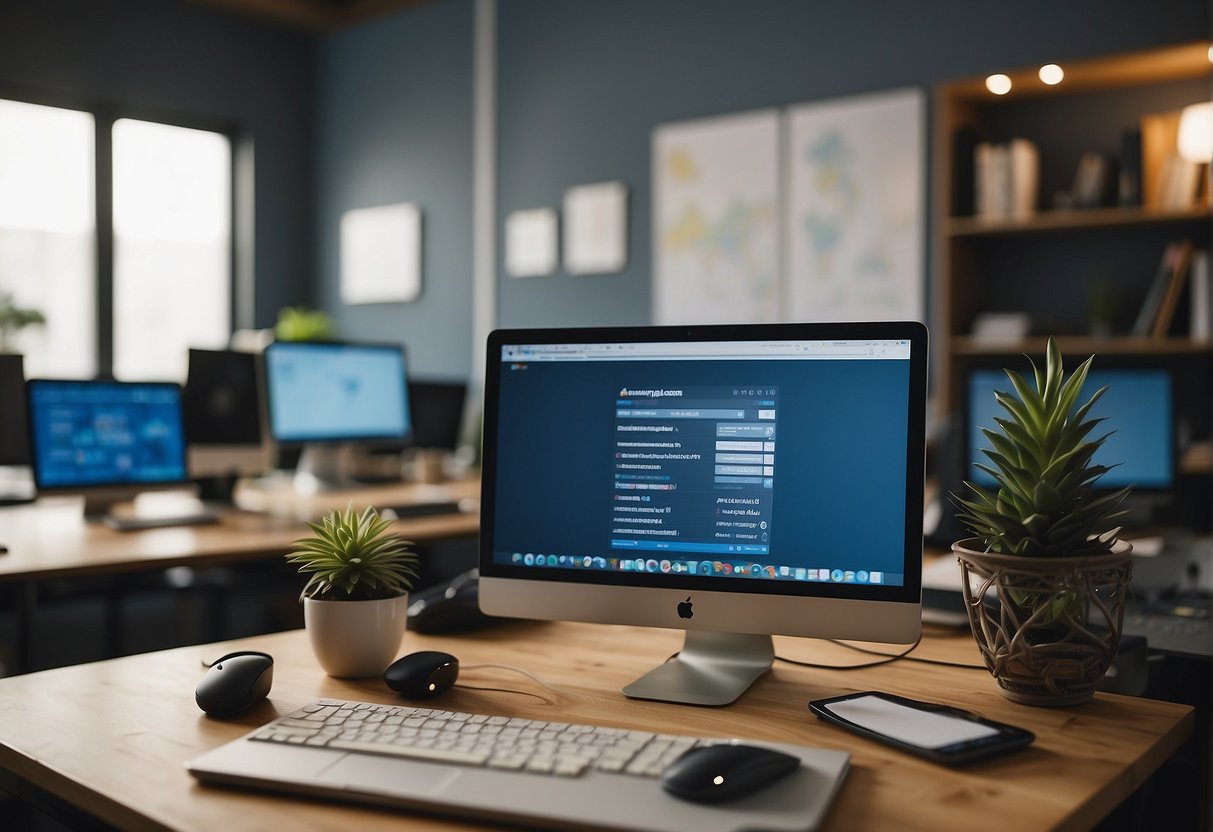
{"x":854,"y":228}
{"x":715,"y":220}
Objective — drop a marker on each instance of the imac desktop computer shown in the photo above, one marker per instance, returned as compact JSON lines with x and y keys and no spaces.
{"x":109,"y":441}
{"x":1139,"y":416}
{"x":735,"y":482}
{"x":224,"y":420}
{"x":327,"y":396}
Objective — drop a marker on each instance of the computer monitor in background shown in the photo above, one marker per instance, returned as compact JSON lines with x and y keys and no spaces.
{"x":16,"y":486}
{"x":224,"y":414}
{"x":1138,"y":410}
{"x":436,"y":408}
{"x":732,"y":481}
{"x":326,"y":396}
{"x":106,"y":440}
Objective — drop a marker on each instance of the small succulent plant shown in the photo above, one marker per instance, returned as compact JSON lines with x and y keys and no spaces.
{"x":298,"y":323}
{"x":1041,"y":459}
{"x":351,"y":557}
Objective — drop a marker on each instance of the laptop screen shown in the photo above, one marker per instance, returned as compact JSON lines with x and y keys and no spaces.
{"x":774,"y":460}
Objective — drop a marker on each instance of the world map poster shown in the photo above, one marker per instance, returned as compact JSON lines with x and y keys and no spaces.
{"x":716,"y":220}
{"x":855,"y":220}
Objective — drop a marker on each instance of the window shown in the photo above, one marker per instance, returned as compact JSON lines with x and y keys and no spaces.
{"x":129,"y":285}
{"x":48,"y":234}
{"x":172,"y":246}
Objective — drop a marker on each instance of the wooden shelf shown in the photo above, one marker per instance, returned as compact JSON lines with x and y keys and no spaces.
{"x":1169,"y":63}
{"x":1088,"y":219}
{"x":1080,"y":346}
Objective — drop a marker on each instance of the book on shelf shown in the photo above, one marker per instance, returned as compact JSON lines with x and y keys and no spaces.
{"x":1006,"y":178}
{"x":1200,"y":320}
{"x":1148,"y":315}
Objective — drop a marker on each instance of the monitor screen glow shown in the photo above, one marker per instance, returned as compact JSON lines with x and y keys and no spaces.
{"x":101,"y":433}
{"x":1138,"y":411}
{"x":334,"y":392}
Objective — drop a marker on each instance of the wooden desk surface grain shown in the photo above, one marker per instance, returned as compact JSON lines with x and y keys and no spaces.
{"x":113,"y":737}
{"x":51,"y":539}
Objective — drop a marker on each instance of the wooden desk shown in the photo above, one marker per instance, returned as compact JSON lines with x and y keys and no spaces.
{"x":50,"y":539}
{"x":111,"y":738}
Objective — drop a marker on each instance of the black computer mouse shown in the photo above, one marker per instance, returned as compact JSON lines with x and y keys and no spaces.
{"x":720,"y":773}
{"x":422,"y":675}
{"x":235,"y":682}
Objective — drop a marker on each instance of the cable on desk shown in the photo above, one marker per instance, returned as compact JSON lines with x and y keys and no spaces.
{"x":886,"y":658}
{"x":514,"y":669}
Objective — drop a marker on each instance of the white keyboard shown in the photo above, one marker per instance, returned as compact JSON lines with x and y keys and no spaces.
{"x":509,"y":743}
{"x":533,"y":773}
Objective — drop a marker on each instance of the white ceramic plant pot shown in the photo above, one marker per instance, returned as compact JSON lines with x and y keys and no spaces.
{"x":355,"y":639}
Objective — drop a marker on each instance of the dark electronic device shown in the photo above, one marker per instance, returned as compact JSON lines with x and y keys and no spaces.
{"x":235,"y":682}
{"x":422,"y":675}
{"x":940,"y":733}
{"x":14,"y":448}
{"x":437,"y":413}
{"x":453,"y":607}
{"x":224,"y":407}
{"x":721,"y":773}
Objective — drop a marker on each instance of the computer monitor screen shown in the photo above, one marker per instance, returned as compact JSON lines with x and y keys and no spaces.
{"x":336,"y":392}
{"x":224,"y":410}
{"x":732,"y":479}
{"x":86,"y":434}
{"x":14,"y":447}
{"x":437,"y":411}
{"x":1138,"y":411}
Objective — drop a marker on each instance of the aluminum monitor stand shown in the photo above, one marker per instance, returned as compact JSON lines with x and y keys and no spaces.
{"x":711,"y":669}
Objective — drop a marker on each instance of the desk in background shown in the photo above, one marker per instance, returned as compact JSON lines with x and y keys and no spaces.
{"x":49,"y":539}
{"x":111,"y":738}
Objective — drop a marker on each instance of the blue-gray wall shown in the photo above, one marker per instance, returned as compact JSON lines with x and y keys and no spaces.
{"x":582,"y":85}
{"x":394,"y":124}
{"x":171,"y":57}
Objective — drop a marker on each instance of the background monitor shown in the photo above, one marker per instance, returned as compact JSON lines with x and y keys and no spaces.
{"x":107,"y":440}
{"x":326,"y":396}
{"x":224,"y":414}
{"x":14,"y":440}
{"x":436,"y":408}
{"x":16,"y":485}
{"x":1138,"y":410}
{"x":732,"y":481}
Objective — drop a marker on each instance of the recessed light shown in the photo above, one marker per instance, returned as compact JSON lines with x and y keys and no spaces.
{"x":998,"y":84}
{"x":1051,"y":74}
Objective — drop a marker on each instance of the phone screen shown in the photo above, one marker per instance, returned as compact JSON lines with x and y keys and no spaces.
{"x":925,"y":729}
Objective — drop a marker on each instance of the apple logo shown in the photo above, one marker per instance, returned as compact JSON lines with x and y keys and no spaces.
{"x":684,"y":609}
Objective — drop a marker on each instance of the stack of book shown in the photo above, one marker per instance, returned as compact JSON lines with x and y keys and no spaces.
{"x":1006,"y":178}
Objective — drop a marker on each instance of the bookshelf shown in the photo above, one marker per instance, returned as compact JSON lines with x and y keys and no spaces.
{"x":1057,"y":255}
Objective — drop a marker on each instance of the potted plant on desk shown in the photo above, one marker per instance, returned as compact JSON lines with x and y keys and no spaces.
{"x":1045,"y":577}
{"x":355,"y":603}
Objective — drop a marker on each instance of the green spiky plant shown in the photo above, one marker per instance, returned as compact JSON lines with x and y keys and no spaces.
{"x":350,"y":557}
{"x":1045,"y":503}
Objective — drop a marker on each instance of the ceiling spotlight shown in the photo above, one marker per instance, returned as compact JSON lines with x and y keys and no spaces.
{"x":998,"y":84}
{"x":1051,"y":74}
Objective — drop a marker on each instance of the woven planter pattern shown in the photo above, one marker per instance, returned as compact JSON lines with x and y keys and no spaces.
{"x":1048,"y":627}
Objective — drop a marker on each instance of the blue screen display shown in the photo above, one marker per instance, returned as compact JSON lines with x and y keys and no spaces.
{"x":1137,"y":407}
{"x":778,"y":470}
{"x":93,"y":433}
{"x":335,"y":392}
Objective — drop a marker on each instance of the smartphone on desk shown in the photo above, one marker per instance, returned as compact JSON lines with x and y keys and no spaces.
{"x":938,"y":732}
